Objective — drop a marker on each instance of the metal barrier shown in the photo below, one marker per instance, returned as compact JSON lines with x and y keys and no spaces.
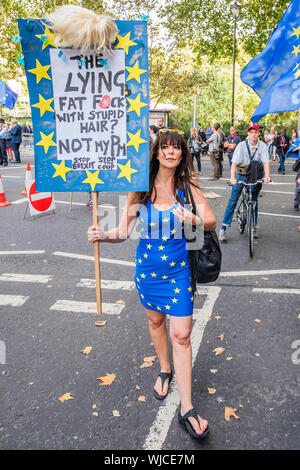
{"x":27,"y":140}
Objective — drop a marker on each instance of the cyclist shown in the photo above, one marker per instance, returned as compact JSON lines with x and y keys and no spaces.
{"x":250,"y":149}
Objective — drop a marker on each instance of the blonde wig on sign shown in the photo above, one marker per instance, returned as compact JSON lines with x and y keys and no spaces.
{"x":80,"y":28}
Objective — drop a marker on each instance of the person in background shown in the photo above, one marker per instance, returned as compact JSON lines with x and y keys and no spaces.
{"x":221,"y":148}
{"x":16,"y":137}
{"x":153,"y":132}
{"x":268,"y":138}
{"x":282,"y":148}
{"x":213,"y":152}
{"x":201,"y":133}
{"x":294,"y":135}
{"x":194,"y":145}
{"x":231,"y":142}
{"x":297,"y":192}
{"x":208,"y":131}
{"x":9,"y":149}
{"x":3,"y":138}
{"x":160,"y":123}
{"x":275,"y":141}
{"x":27,"y":128}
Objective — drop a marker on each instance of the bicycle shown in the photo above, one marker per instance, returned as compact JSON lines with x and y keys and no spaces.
{"x":245,"y":213}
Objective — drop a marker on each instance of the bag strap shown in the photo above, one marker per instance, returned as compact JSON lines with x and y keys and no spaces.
{"x":249,"y":151}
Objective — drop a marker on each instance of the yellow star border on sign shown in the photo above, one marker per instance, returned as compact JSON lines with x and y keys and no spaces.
{"x":135,"y":140}
{"x":135,"y":72}
{"x":297,"y":74}
{"x":40,"y":71}
{"x":126,"y":171}
{"x":125,"y":42}
{"x":61,"y":170}
{"x":46,"y":141}
{"x":136,"y":105}
{"x":49,"y":38}
{"x":43,"y":105}
{"x":92,"y":179}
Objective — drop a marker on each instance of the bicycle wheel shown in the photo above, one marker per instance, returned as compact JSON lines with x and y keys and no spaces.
{"x":251,"y":230}
{"x":243,"y":218}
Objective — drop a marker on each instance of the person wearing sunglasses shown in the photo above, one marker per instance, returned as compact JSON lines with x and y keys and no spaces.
{"x":162,"y":265}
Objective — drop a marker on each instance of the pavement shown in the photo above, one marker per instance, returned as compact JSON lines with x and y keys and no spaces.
{"x":48,"y":325}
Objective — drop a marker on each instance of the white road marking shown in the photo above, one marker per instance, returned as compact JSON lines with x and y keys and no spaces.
{"x":20,"y":201}
{"x":91,"y":258}
{"x":259,"y":273}
{"x":107,"y":284}
{"x":86,"y":307}
{"x":8,"y":176}
{"x":13,"y":300}
{"x":39,"y":278}
{"x":280,"y":215}
{"x":269,"y":290}
{"x":159,"y":429}
{"x":28,"y":252}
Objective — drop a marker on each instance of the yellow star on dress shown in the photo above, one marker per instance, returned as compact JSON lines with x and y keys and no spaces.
{"x":61,"y":170}
{"x":296,"y":50}
{"x":92,"y":179}
{"x":135,"y":72}
{"x":43,"y":105}
{"x":136,"y":105}
{"x":126,"y":171}
{"x":135,"y":140}
{"x":125,"y":42}
{"x":46,"y":141}
{"x":40,"y":71}
{"x":296,"y":32}
{"x":49,"y":39}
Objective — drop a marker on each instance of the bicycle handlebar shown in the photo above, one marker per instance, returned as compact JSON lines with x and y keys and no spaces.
{"x":251,"y":184}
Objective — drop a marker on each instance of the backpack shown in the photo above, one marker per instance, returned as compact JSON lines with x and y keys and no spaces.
{"x":296,"y":166}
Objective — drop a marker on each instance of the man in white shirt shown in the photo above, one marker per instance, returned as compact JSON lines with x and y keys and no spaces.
{"x":240,"y":160}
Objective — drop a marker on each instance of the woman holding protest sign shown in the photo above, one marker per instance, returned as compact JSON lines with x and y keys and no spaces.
{"x":163,"y":276}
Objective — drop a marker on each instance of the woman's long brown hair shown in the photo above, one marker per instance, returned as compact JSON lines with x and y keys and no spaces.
{"x":182,"y":173}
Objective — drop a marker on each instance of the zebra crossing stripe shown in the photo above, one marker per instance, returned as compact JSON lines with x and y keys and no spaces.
{"x":13,"y":300}
{"x":107,"y":284}
{"x":86,"y":307}
{"x":39,"y":278}
{"x":270,"y":290}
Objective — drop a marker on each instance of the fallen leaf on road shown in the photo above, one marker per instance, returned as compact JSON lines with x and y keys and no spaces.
{"x":107,"y":379}
{"x":211,"y":391}
{"x":299,"y":228}
{"x":95,"y":413}
{"x":100,"y":323}
{"x":219,"y":351}
{"x":213,"y":371}
{"x":115,"y":413}
{"x":86,"y":350}
{"x":265,"y":278}
{"x":221,"y":336}
{"x":120,"y":302}
{"x":142,"y":398}
{"x":230,"y":412}
{"x":148,"y":361}
{"x":137,"y":387}
{"x":257,"y":320}
{"x":94,"y":407}
{"x":217,"y":317}
{"x":65,"y":397}
{"x":228,"y":358}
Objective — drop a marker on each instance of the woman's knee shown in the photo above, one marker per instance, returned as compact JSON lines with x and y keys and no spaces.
{"x":180,"y":337}
{"x":155,"y":319}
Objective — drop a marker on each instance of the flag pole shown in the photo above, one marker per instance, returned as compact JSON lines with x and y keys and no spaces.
{"x":97,"y":255}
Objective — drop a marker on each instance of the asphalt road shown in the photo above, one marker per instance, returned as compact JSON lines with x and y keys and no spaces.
{"x":254,"y":304}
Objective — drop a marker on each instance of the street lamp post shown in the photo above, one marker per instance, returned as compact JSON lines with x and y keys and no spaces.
{"x":235,"y":9}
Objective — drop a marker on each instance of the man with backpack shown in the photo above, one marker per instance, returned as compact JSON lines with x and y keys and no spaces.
{"x":246,"y":152}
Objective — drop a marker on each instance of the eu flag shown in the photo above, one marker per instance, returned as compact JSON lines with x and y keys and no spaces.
{"x":274,"y":74}
{"x":7,"y":96}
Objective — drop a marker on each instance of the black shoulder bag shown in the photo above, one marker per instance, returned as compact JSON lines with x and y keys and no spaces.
{"x":205,"y":263}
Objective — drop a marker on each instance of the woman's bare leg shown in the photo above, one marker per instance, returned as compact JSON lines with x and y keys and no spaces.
{"x":180,"y":331}
{"x":159,"y":336}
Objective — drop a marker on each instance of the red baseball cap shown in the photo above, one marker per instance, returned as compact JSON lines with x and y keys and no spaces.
{"x":254,"y":126}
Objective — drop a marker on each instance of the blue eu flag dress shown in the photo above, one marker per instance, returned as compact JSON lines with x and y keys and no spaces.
{"x":162,"y":274}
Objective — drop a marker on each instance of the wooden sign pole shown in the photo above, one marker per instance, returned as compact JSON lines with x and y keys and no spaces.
{"x":71,"y":198}
{"x":97,"y":255}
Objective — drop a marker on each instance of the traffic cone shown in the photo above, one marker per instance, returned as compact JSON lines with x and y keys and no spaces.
{"x":28,"y":177}
{"x":3,"y":201}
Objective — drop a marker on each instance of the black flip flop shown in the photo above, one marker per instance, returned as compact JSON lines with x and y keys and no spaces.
{"x":184,"y":421}
{"x":163,"y":377}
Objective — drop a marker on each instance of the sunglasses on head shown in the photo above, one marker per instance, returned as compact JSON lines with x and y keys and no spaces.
{"x":162,"y":131}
